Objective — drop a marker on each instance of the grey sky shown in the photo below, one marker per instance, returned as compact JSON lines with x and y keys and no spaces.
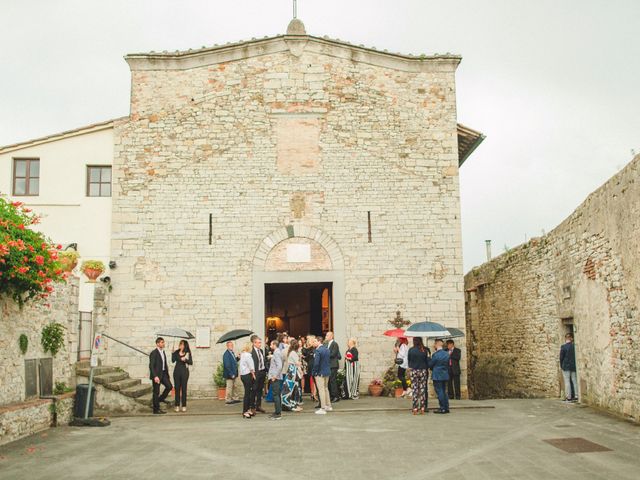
{"x":554,"y":84}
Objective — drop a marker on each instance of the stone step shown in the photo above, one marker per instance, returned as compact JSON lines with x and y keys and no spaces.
{"x":137,"y":391}
{"x":122,"y":384}
{"x":110,"y":377}
{"x":145,"y":400}
{"x":84,"y":372}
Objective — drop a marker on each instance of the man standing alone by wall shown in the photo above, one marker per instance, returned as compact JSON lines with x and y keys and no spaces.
{"x":568,"y":367}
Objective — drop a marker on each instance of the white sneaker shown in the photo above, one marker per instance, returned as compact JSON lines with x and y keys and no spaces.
{"x":297,"y":409}
{"x":184,"y":409}
{"x":177,"y":409}
{"x":327,"y":409}
{"x":320,"y":411}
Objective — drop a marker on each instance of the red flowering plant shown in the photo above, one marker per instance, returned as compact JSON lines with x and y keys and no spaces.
{"x":28,"y":261}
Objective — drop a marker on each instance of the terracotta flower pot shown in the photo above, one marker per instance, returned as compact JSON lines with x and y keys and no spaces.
{"x":67,"y":264}
{"x":375,"y":390}
{"x":398,"y":392}
{"x":222,"y":393}
{"x":92,"y":274}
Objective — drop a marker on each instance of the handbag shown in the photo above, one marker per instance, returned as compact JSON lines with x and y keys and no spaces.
{"x":399,"y":361}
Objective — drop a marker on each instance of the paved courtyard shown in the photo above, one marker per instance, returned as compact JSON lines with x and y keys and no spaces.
{"x":506,"y":441}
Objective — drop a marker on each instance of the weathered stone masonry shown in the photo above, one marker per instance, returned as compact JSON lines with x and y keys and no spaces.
{"x":587,"y":272}
{"x":213,"y":132}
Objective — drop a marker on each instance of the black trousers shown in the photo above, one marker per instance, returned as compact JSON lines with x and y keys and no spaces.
{"x":248,"y":384}
{"x":333,"y":384}
{"x":157,"y":398}
{"x":258,"y":387}
{"x":402,"y":376}
{"x":180,"y":379}
{"x":454,"y":386}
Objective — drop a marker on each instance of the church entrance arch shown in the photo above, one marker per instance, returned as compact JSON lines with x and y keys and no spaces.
{"x":298,"y":284}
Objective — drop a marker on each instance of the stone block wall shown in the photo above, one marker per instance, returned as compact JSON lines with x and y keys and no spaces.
{"x":26,"y":418}
{"x":584,"y":273}
{"x":63,"y":308}
{"x":220,"y":139}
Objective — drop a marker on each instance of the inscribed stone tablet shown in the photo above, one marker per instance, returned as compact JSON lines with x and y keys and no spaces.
{"x":298,"y":253}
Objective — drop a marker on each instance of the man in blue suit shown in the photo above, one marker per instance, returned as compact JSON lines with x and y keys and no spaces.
{"x":230,"y":365}
{"x":321,"y":373}
{"x":439,"y":364}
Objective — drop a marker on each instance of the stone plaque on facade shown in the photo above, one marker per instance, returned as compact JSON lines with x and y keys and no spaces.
{"x":30,"y":377}
{"x":299,"y":253}
{"x":46,"y":376}
{"x":203,"y":337}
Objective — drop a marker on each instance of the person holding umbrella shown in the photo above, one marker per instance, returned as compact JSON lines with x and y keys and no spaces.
{"x":418,"y":356}
{"x":182,"y":358}
{"x":401,"y":350}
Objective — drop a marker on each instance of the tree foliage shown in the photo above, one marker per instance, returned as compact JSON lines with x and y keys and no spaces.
{"x":28,"y":261}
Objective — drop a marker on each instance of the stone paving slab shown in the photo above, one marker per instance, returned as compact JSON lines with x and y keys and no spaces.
{"x":504,"y":442}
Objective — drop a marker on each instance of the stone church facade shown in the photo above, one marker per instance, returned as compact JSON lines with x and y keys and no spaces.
{"x":292,"y":160}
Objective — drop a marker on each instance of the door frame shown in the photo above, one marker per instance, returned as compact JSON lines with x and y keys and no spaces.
{"x":335,"y":277}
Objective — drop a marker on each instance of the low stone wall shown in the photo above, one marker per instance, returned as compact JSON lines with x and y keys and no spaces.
{"x":584,"y":276}
{"x":22,"y":419}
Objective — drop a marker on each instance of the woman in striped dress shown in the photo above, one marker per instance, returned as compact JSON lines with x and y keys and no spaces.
{"x":352,"y":370}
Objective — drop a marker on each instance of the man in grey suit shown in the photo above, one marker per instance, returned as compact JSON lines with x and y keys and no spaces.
{"x":334,"y":362}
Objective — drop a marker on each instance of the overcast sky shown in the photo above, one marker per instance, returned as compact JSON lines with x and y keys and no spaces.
{"x":554,"y":84}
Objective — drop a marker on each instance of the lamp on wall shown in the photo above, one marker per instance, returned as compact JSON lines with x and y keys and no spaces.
{"x":72,"y":246}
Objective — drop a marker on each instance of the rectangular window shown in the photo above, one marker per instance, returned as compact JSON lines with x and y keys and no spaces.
{"x":98,"y":181}
{"x":26,"y":176}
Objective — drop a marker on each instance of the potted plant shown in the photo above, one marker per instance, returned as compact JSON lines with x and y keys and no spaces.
{"x":397,"y":388}
{"x":220,"y":382}
{"x":68,"y":259}
{"x":92,"y":269}
{"x":376,"y":387}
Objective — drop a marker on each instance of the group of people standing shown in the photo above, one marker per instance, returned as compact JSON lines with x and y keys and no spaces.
{"x":283,"y":371}
{"x":417,"y":360}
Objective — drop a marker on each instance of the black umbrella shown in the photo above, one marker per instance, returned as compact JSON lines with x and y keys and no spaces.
{"x":455,"y":333}
{"x":234,"y":335}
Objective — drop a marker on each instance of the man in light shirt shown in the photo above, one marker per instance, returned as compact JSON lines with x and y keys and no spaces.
{"x":275,"y":376}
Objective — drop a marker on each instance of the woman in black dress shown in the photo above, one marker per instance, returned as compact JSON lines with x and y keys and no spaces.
{"x":182,"y":358}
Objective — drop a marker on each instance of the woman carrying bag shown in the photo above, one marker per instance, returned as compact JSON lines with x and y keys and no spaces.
{"x":182,"y":358}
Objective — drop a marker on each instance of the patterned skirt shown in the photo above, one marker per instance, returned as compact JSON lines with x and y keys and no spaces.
{"x":290,"y":388}
{"x":419,"y":387}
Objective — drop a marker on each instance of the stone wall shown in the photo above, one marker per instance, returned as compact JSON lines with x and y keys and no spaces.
{"x":377,"y":137}
{"x":61,"y":307}
{"x":584,"y":273}
{"x":26,"y":418}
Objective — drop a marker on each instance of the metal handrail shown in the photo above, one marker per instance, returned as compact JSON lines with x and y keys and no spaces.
{"x":125,"y":344}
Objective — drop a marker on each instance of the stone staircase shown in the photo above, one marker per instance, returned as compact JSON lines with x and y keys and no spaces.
{"x":116,"y":391}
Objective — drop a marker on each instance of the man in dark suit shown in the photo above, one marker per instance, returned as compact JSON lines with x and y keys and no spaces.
{"x":259,"y":361}
{"x":159,"y":375}
{"x":334,"y":363}
{"x":454,"y":369}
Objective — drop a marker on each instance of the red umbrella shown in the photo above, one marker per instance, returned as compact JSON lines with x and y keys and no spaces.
{"x":396,"y":332}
